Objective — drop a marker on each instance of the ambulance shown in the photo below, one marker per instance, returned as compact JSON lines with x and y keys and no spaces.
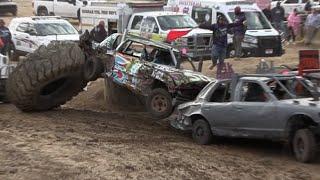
{"x":260,"y":40}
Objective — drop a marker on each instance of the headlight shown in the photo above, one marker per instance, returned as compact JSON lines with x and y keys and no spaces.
{"x":250,"y":39}
{"x":182,"y":41}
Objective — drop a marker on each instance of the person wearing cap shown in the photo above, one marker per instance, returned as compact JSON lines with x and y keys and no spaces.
{"x":99,"y":32}
{"x":277,"y":14}
{"x":307,"y":6}
{"x":239,"y":31}
{"x":219,"y":33}
{"x":312,"y":25}
{"x":5,"y":36}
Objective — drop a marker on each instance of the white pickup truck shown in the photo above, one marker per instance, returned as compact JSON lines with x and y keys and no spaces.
{"x":63,"y":8}
{"x":147,"y":19}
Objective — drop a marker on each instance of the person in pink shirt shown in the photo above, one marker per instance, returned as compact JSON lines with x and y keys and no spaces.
{"x":294,"y":21}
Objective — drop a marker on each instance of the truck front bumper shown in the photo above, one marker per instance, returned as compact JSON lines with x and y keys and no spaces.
{"x":265,"y":46}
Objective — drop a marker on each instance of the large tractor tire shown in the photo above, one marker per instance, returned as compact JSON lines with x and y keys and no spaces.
{"x":47,"y":78}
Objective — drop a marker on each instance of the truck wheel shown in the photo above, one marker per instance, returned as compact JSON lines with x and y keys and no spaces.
{"x":159,"y":103}
{"x":231,"y":53}
{"x":48,"y":78}
{"x":304,"y":145}
{"x":42,"y":11}
{"x":93,"y":68}
{"x":201,"y":132}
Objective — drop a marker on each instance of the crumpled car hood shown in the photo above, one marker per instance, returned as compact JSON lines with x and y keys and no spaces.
{"x":181,"y":77}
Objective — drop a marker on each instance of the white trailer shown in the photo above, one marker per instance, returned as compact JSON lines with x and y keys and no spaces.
{"x":116,"y":15}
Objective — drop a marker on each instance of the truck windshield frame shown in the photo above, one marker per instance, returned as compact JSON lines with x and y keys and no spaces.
{"x":255,"y":20}
{"x":176,"y":22}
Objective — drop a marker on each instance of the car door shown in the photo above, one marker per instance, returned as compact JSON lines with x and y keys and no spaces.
{"x":127,"y":65}
{"x":22,"y":39}
{"x":254,"y":110}
{"x":217,"y":109}
{"x":65,"y":8}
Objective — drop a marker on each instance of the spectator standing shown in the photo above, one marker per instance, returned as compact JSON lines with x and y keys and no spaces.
{"x":239,"y":31}
{"x":5,"y":36}
{"x":219,"y":32}
{"x":307,"y":6}
{"x":294,"y":21}
{"x":99,"y":32}
{"x":312,"y":25}
{"x":267,"y":13}
{"x":277,"y":14}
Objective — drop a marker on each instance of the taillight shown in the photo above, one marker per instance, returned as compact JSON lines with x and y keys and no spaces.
{"x":32,"y":4}
{"x":176,"y":33}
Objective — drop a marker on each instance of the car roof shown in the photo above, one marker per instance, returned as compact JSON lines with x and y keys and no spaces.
{"x":39,"y":19}
{"x":265,"y":77}
{"x":158,"y":13}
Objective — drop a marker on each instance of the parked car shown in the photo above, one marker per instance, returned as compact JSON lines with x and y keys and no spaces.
{"x":28,"y":33}
{"x":156,"y":71}
{"x":7,"y":6}
{"x":276,"y":107}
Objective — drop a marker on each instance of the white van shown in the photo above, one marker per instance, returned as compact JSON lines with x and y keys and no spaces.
{"x":261,"y":39}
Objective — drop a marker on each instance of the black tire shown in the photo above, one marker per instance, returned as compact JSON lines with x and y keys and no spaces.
{"x":93,"y":68}
{"x":48,"y":78}
{"x":42,"y":11}
{"x":159,"y":103}
{"x":230,"y":52}
{"x":304,"y":145}
{"x":201,"y":132}
{"x":3,"y":96}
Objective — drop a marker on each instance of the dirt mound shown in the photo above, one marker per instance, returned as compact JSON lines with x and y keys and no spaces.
{"x":93,"y":98}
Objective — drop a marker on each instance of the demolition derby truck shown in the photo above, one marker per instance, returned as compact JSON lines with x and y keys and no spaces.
{"x":261,"y":39}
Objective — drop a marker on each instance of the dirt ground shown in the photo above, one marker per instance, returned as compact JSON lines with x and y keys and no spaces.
{"x":90,"y":139}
